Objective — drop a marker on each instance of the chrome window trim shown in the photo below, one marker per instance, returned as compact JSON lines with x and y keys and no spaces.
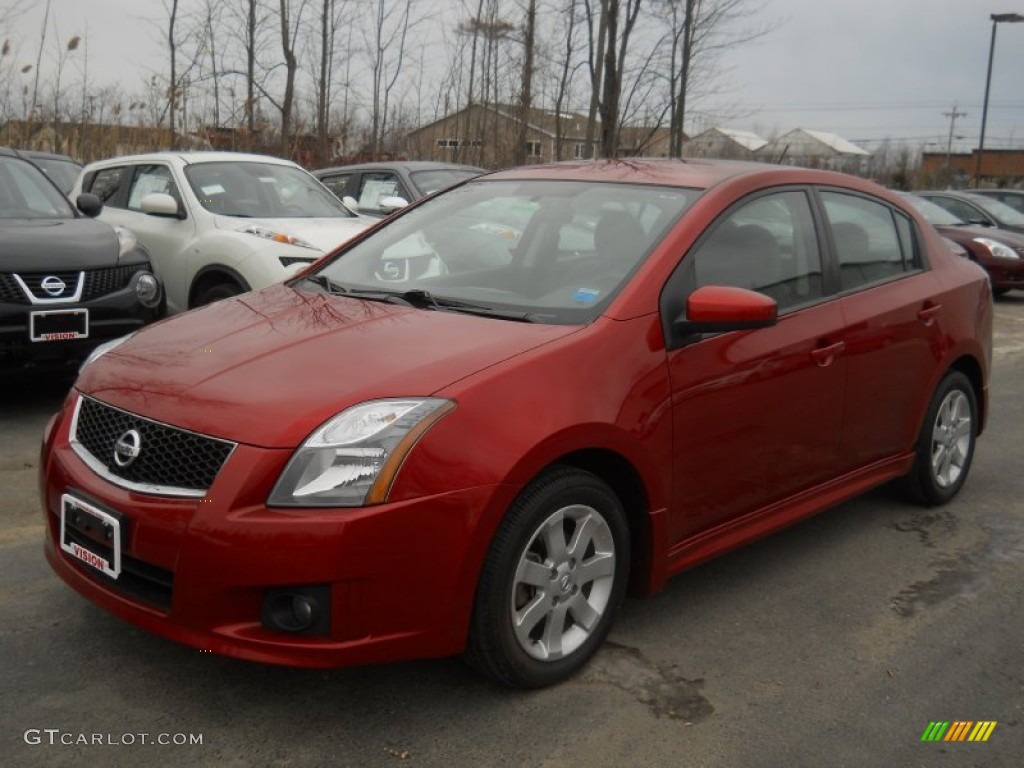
{"x":59,"y":300}
{"x":155,"y":490}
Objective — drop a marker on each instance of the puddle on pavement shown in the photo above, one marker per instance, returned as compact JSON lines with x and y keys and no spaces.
{"x":928,"y":526}
{"x":963,"y":575}
{"x":659,"y":686}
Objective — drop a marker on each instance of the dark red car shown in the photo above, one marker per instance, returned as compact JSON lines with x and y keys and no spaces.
{"x":999,"y":251}
{"x":476,"y":427}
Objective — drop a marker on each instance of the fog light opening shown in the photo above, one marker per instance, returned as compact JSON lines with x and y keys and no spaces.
{"x":301,"y":610}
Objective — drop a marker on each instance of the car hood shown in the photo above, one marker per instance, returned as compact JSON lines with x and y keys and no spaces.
{"x":959,"y":233}
{"x":40,"y":245}
{"x":268,"y":367}
{"x":325,"y":234}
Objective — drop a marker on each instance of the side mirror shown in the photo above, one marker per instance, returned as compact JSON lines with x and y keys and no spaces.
{"x":89,"y":204}
{"x":351,"y":203}
{"x":389,"y":205}
{"x":161,"y":204}
{"x":720,"y":308}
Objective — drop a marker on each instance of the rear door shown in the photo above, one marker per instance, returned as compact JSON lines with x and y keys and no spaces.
{"x":166,"y":238}
{"x":892,"y":310}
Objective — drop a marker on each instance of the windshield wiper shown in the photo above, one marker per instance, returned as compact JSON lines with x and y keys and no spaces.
{"x":326,"y":283}
{"x":419,"y":299}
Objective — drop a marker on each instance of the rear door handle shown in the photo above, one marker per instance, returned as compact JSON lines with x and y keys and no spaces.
{"x":823,"y":356}
{"x":928,"y":312}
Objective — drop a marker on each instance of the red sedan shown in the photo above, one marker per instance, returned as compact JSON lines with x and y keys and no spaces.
{"x":476,"y":427}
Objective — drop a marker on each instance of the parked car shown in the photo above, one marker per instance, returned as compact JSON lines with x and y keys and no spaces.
{"x":67,"y":282}
{"x":1000,"y":252}
{"x":977,"y":209}
{"x":62,"y":169}
{"x":373,"y":186}
{"x":1011,"y":197}
{"x":475,"y":428}
{"x":220,"y":223}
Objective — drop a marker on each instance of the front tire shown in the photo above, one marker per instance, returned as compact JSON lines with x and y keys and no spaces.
{"x":945,"y":446}
{"x":552,"y":581}
{"x":216,"y":292}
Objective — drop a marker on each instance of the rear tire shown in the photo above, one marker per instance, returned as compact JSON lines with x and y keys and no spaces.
{"x":945,"y":446}
{"x":552,"y":581}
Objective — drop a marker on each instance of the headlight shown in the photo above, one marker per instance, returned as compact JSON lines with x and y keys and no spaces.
{"x":278,"y":237}
{"x":102,"y":349}
{"x":126,"y":240}
{"x":997,"y":249}
{"x":147,"y":289}
{"x":352,"y":460}
{"x":287,"y":261}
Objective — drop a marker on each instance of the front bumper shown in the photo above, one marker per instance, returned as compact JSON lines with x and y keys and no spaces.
{"x":400,"y":577}
{"x":1005,"y":274}
{"x":111,"y":316}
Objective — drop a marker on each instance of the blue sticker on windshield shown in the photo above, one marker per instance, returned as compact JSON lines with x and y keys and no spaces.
{"x":585,"y":295}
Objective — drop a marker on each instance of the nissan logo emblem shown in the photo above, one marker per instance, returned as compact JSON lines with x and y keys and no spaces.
{"x":53,"y":285}
{"x":127,"y":448}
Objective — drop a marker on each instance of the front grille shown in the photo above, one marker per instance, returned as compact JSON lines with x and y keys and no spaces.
{"x":139,"y":580}
{"x":34,"y":282}
{"x":170,"y":461}
{"x":100,"y":282}
{"x":10,"y":291}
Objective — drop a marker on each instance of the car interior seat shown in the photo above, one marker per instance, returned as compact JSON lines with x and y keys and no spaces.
{"x":854,"y":252}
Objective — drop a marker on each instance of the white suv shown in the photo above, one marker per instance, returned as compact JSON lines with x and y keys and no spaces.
{"x":220,"y":223}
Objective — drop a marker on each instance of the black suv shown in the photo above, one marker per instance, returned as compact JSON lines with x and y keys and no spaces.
{"x":67,"y":282}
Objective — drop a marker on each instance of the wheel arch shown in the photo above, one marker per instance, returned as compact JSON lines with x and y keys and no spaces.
{"x":212,"y":275}
{"x":971,"y":368}
{"x":627,"y":484}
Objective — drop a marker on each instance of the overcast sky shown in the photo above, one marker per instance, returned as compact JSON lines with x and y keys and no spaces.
{"x":866,"y":69}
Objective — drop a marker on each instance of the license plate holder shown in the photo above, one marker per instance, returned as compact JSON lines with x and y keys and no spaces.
{"x":82,"y":527}
{"x":58,"y":324}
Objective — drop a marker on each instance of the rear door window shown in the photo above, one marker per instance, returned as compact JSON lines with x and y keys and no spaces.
{"x":869,"y":244}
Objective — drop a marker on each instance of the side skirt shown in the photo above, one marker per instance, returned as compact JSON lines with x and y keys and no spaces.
{"x":754,"y":525}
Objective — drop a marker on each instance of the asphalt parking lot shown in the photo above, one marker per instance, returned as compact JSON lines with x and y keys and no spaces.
{"x":835,"y":642}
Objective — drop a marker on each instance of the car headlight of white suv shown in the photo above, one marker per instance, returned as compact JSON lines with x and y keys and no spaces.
{"x":267,"y":233}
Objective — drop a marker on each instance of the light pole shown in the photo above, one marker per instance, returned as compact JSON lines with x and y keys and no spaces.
{"x":1009,"y":18}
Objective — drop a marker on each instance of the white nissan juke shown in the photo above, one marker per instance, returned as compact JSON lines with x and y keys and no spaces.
{"x":220,"y":223}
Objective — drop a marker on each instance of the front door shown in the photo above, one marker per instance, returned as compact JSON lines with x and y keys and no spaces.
{"x":757,"y":415}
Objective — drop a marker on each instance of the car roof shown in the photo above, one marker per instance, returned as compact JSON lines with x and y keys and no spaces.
{"x":994,"y":192}
{"x":692,"y":173}
{"x":36,"y":154}
{"x":409,"y":165}
{"x":192,"y":157}
{"x":966,"y":194}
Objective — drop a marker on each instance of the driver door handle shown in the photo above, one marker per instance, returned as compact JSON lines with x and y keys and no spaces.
{"x":823,"y":356}
{"x":928,"y":312}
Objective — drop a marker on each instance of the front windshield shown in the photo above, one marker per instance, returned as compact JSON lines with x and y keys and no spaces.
{"x":25,"y":193}
{"x":936,"y":215}
{"x":428,"y":182}
{"x":262,"y":190}
{"x":553,"y":251}
{"x":1003,"y":213}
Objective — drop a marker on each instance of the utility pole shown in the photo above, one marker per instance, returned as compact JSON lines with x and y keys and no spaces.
{"x":952,"y":122}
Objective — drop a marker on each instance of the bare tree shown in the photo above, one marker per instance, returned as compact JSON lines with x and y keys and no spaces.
{"x":526,"y":97}
{"x":289,"y":33}
{"x":699,"y":31}
{"x":172,"y":89}
{"x":385,"y":41}
{"x":328,"y":24}
{"x":566,"y":69}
